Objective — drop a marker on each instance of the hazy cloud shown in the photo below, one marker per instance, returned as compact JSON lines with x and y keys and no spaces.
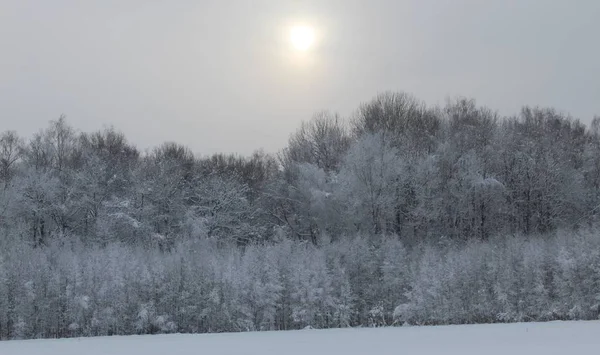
{"x":218,"y":76}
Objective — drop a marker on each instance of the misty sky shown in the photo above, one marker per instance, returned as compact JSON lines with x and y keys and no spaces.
{"x":221,"y":76}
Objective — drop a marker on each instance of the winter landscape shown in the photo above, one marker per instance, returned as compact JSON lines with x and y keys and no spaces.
{"x":250,"y":177}
{"x":360,"y":223}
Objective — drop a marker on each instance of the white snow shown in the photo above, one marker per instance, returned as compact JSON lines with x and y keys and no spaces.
{"x":497,"y":339}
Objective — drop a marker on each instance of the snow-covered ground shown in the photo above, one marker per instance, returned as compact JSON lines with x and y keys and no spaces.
{"x":499,"y":339}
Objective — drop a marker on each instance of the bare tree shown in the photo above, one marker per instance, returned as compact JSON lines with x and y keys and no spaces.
{"x":322,"y":141}
{"x":11,"y":149}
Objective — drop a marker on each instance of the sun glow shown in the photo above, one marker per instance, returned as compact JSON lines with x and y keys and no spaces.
{"x":302,"y":37}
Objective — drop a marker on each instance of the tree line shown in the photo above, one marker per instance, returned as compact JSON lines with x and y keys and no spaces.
{"x":397,"y":171}
{"x":69,"y":289}
{"x":395,"y":167}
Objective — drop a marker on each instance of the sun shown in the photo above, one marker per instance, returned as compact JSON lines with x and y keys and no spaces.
{"x":302,"y":37}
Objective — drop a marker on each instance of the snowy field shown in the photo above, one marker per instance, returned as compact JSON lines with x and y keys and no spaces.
{"x":501,"y":339}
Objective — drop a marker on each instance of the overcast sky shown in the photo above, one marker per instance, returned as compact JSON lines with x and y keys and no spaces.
{"x":221,"y":76}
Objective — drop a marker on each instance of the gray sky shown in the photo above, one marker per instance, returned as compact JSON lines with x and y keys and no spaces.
{"x":220,"y":75}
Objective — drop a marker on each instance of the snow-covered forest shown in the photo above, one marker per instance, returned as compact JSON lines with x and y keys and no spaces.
{"x":400,"y":214}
